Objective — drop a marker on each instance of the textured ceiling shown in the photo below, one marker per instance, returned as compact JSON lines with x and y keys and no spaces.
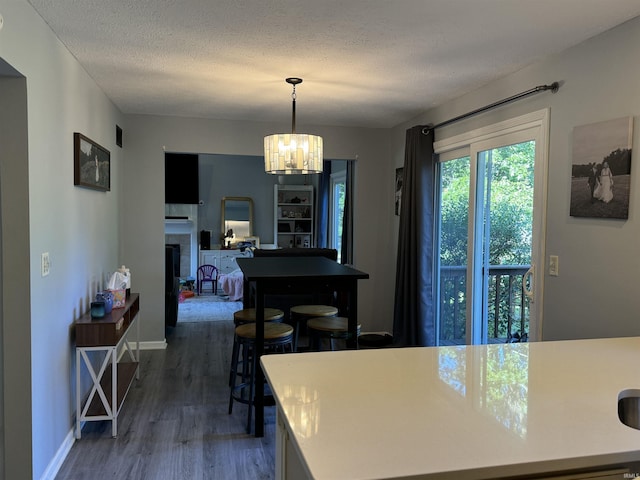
{"x":370,"y":63}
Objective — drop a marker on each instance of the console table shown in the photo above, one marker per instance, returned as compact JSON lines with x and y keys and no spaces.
{"x":112,"y":378}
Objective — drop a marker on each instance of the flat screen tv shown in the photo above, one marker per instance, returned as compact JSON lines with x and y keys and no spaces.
{"x":181,"y":178}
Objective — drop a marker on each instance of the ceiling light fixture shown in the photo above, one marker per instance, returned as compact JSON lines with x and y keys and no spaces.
{"x":292,"y":153}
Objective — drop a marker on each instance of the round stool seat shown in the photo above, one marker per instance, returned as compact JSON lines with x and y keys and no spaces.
{"x":332,"y":325}
{"x":333,"y":328}
{"x":299,"y":314}
{"x":272,"y":331}
{"x":248,"y":315}
{"x":314,"y":310}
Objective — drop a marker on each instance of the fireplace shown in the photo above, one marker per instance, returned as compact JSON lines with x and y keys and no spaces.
{"x":182,"y":245}
{"x":182,"y":232}
{"x":175,"y":258}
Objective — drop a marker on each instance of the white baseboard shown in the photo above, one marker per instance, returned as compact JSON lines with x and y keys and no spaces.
{"x":58,"y":459}
{"x":161,"y":345}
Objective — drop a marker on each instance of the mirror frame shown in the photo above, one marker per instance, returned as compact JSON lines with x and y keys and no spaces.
{"x":249,"y":200}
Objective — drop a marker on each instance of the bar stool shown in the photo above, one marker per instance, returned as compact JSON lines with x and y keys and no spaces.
{"x":301,"y":313}
{"x":332,"y":328}
{"x":248,"y":315}
{"x":278,"y":338}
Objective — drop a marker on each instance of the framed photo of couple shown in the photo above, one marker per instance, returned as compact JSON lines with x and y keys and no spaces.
{"x":601,"y":168}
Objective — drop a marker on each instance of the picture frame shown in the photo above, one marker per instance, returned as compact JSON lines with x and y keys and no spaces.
{"x":601,"y":169}
{"x":91,"y":164}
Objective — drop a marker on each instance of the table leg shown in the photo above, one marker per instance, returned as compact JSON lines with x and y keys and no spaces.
{"x":78,"y":404}
{"x":246,"y":293}
{"x":259,"y":374}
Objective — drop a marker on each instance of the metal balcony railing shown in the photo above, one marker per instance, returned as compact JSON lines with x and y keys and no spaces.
{"x":508,"y":313}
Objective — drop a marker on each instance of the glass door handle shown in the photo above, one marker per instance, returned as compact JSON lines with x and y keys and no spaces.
{"x":529,"y":290}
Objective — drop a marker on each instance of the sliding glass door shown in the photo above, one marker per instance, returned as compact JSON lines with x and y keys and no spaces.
{"x":454,"y":178}
{"x":491,"y":199}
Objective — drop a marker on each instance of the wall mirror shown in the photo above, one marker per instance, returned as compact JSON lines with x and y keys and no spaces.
{"x":237,"y":215}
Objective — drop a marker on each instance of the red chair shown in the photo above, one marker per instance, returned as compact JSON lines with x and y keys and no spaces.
{"x":208,"y":273}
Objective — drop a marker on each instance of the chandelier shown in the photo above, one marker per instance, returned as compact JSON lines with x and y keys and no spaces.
{"x":292,"y":153}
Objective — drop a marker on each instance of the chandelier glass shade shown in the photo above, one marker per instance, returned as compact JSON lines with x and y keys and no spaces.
{"x":293,"y":153}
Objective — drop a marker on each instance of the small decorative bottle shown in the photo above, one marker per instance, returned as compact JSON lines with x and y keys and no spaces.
{"x":106,"y":297}
{"x":97,"y":309}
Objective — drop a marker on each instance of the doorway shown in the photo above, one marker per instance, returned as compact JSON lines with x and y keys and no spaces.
{"x":16,"y":456}
{"x":491,"y":206}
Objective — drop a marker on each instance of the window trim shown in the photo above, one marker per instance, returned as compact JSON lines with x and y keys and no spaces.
{"x":335,"y":178}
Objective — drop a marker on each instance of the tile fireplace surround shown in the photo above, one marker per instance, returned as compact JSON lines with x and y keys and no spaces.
{"x":183,"y":233}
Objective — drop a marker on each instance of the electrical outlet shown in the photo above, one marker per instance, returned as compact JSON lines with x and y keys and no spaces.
{"x":45,"y":264}
{"x":553,"y":265}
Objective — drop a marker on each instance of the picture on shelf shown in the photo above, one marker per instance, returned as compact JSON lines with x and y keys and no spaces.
{"x":303,"y":241}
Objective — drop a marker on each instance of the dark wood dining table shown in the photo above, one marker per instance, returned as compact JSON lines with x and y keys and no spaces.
{"x":295,"y":275}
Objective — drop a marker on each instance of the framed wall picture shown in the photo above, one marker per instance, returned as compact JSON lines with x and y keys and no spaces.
{"x":601,"y":169}
{"x":92,"y":164}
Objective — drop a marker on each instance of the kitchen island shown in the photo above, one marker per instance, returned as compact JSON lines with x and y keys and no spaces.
{"x":530,"y":410}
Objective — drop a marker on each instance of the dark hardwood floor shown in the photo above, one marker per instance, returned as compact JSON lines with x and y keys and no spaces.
{"x":174,"y":423}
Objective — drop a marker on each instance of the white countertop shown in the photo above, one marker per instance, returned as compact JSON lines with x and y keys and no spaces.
{"x":458,"y":412}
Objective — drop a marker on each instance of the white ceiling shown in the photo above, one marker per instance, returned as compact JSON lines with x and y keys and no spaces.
{"x":369,"y":63}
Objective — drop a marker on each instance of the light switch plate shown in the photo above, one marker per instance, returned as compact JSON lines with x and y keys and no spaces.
{"x":553,"y":265}
{"x":45,"y":264}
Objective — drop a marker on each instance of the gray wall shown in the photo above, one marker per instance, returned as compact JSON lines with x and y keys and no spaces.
{"x":42,"y":211}
{"x":597,"y":293}
{"x":88,"y":233}
{"x":236,"y":176}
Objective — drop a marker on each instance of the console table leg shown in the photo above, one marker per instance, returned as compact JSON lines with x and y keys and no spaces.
{"x":78,"y":405}
{"x":114,"y":392}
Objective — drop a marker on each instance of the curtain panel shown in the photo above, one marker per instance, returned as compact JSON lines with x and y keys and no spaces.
{"x":414,"y":315}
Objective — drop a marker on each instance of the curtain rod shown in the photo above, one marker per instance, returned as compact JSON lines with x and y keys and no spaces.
{"x":540,"y":88}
